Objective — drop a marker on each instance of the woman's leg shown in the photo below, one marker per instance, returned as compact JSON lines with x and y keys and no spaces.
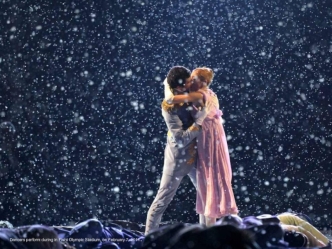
{"x":209,"y":221}
{"x":202,"y":219}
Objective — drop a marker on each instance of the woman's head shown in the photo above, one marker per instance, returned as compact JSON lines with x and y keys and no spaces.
{"x":202,"y":76}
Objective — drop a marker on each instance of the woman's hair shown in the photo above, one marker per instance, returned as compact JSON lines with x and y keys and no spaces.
{"x":204,"y":74}
{"x":177,"y":76}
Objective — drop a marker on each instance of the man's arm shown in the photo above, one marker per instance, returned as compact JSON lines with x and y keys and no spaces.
{"x":182,"y":137}
{"x":174,"y":123}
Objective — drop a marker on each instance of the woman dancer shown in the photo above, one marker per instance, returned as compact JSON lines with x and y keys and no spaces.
{"x":215,"y":197}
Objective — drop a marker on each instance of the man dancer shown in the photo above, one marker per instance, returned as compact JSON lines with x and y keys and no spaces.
{"x":180,"y":151}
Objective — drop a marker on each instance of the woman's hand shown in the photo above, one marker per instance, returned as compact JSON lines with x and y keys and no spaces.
{"x":201,"y":115}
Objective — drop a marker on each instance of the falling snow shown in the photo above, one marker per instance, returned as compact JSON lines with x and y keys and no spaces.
{"x":82,"y":86}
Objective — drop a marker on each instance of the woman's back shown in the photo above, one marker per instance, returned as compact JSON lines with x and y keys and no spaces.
{"x":215,"y":196}
{"x":209,"y":95}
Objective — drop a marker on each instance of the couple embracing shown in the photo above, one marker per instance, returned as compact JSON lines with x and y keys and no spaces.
{"x":196,"y":146}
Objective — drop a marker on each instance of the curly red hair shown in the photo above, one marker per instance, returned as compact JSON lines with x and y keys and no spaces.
{"x":204,"y":73}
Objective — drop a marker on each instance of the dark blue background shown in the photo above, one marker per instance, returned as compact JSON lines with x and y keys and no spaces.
{"x":81,"y":81}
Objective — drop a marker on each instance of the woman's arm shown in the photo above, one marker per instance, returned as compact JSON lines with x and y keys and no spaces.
{"x":185,"y":98}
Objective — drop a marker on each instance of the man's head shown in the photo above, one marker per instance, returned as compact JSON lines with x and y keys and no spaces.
{"x":178,"y":78}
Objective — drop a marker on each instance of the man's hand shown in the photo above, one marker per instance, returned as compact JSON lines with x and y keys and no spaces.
{"x":201,"y":115}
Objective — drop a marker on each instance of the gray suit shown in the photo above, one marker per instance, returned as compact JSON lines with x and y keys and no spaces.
{"x":180,"y":159}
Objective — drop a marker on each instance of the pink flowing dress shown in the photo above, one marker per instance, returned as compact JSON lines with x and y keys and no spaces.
{"x":215,"y":197}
